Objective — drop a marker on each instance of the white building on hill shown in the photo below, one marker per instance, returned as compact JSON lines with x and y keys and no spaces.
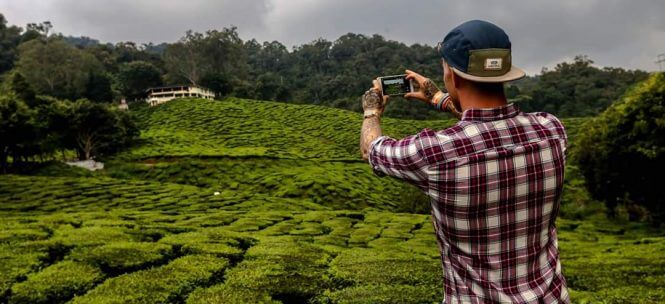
{"x":163,"y":94}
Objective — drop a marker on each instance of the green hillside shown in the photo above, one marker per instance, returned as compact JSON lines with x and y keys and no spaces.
{"x":244,"y":201}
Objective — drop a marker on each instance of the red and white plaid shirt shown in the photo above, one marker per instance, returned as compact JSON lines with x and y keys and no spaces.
{"x":495,"y":180}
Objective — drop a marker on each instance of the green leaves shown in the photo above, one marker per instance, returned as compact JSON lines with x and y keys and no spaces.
{"x":622,"y":152}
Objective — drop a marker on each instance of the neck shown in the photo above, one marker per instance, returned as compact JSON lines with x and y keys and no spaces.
{"x":478,"y":100}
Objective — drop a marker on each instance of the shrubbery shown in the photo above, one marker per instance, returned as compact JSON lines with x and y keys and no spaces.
{"x":622,"y":152}
{"x":56,"y":283}
{"x":52,"y":126}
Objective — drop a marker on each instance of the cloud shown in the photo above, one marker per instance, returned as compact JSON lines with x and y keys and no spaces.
{"x":139,"y":21}
{"x":612,"y":32}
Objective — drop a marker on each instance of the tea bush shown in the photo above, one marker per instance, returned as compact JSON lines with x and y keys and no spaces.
{"x":240,"y":201}
{"x":56,"y":283}
{"x":163,"y":284}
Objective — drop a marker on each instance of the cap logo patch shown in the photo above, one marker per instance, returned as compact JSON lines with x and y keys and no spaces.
{"x":493,"y":63}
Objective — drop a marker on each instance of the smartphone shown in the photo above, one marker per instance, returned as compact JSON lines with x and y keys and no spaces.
{"x":395,"y":85}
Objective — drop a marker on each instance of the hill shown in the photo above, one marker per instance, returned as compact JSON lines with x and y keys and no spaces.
{"x":244,"y":201}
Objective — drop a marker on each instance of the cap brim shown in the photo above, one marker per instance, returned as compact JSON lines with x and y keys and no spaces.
{"x":515,"y":73}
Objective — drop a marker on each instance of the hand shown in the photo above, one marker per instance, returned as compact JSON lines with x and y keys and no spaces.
{"x":424,"y":88}
{"x":373,"y":101}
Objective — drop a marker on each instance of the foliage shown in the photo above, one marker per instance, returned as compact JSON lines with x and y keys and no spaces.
{"x":56,"y":283}
{"x":118,"y":257}
{"x":322,"y":72}
{"x":164,"y":284}
{"x":197,"y":56}
{"x":16,"y":129}
{"x":96,"y":129}
{"x":136,"y":76}
{"x":55,"y":68}
{"x":294,"y":256}
{"x":23,"y":90}
{"x":577,"y":88}
{"x":622,"y":152}
{"x":98,"y":87}
{"x":10,"y":37}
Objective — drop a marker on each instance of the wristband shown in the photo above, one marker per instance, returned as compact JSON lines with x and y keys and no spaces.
{"x":438,"y":97}
{"x":371,"y":112}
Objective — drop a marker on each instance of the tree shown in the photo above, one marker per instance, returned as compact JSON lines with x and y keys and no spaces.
{"x":98,"y":87}
{"x":16,"y":129}
{"x":98,"y":129}
{"x":55,"y":68}
{"x":213,"y":53}
{"x":578,"y":88}
{"x":218,"y":83}
{"x":136,"y":77}
{"x":23,"y":90}
{"x":185,"y":59}
{"x":622,"y":152}
{"x":10,"y":37}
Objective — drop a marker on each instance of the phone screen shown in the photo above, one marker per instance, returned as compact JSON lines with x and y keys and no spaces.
{"x":395,"y":85}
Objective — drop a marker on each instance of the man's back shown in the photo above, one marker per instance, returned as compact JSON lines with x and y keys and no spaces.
{"x":495,"y":182}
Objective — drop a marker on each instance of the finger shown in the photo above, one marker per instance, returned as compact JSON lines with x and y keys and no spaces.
{"x":415,"y":76}
{"x":410,"y":74}
{"x":376,"y":85}
{"x":415,"y":95}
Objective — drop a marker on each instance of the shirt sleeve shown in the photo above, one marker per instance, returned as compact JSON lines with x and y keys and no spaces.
{"x":404,"y":159}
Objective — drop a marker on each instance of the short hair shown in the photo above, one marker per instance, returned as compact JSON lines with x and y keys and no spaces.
{"x":489,"y":87}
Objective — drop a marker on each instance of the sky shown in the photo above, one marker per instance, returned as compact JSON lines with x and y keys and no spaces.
{"x":618,"y":33}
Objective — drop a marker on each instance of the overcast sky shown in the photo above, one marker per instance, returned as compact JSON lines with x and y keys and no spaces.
{"x":627,"y":34}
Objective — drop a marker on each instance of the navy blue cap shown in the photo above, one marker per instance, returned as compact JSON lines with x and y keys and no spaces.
{"x":480,"y":51}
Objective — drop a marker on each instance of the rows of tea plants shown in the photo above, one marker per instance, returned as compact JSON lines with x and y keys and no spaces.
{"x":242,"y":201}
{"x":243,"y":128}
{"x":130,"y":254}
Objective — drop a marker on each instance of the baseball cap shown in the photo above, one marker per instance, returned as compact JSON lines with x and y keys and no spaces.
{"x":479,"y":51}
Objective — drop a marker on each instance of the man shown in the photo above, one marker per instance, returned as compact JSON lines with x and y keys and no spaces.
{"x":495,"y":178}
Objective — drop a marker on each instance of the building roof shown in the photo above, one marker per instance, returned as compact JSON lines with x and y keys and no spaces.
{"x":176,"y":86}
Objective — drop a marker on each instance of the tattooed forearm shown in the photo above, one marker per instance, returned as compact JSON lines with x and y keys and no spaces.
{"x":373,"y":104}
{"x":370,"y":131}
{"x":430,"y":89}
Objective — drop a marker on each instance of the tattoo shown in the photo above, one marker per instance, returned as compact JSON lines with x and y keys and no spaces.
{"x":429,"y":88}
{"x":370,"y":131}
{"x":372,"y":100}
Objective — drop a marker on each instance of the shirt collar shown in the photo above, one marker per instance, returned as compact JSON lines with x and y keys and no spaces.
{"x":491,"y":114}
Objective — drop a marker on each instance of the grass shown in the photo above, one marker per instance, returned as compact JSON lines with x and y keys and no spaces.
{"x":241,"y":201}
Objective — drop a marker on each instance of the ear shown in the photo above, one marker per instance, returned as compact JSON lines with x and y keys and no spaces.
{"x":457,"y":81}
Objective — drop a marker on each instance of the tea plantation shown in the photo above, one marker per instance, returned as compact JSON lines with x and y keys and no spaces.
{"x":243,"y":201}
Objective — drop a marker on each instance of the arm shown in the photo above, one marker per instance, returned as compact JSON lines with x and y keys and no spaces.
{"x":370,"y":131}
{"x":373,"y":106}
{"x":426,"y":91}
{"x":405,"y":158}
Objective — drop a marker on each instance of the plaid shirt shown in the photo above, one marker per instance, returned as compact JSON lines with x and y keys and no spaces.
{"x":495,"y":180}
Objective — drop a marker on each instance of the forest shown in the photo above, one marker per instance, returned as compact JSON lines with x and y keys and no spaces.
{"x":330,"y":73}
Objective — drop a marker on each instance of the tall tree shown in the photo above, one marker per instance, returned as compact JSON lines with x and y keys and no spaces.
{"x":137,"y":76}
{"x":55,"y":68}
{"x":98,"y":128}
{"x":197,"y":55}
{"x":10,"y":37}
{"x":16,"y":129}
